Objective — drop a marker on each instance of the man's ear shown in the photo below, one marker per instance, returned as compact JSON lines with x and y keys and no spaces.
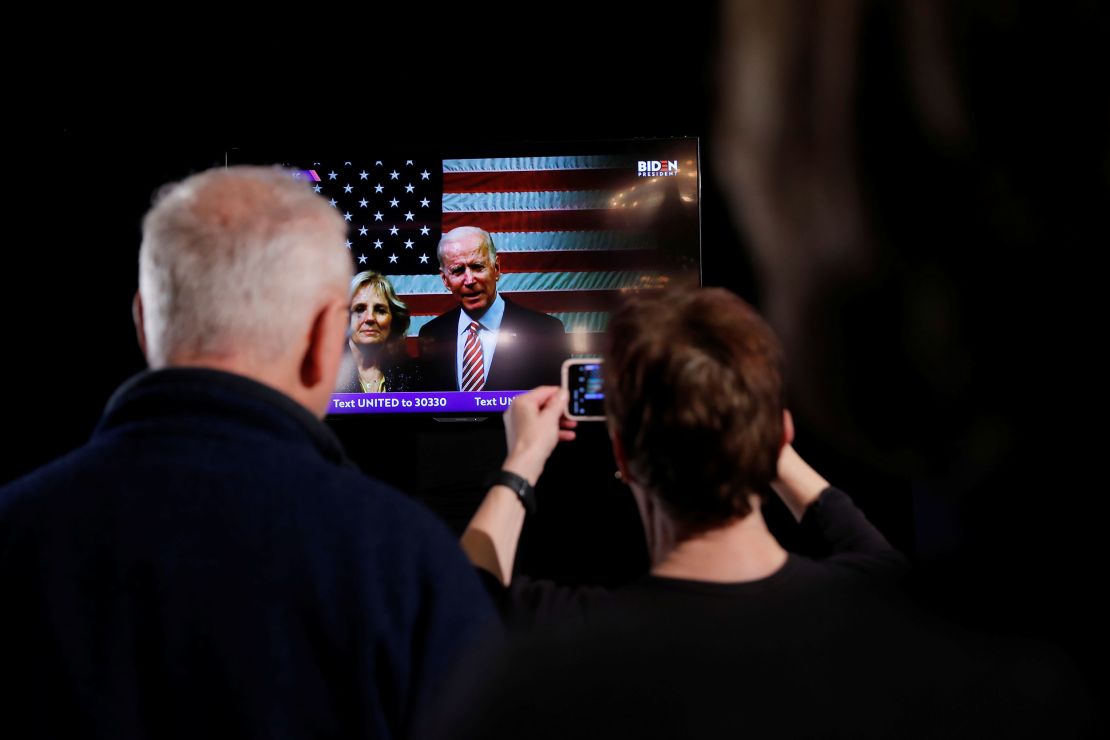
{"x":323,"y":349}
{"x":137,"y":317}
{"x":787,"y":428}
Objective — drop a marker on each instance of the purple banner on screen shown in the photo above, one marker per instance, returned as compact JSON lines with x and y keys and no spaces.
{"x":445,"y":402}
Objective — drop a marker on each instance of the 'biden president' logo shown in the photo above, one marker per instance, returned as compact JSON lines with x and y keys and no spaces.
{"x":656,"y":168}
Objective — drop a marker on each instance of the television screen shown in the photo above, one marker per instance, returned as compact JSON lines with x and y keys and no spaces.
{"x":475,"y":276}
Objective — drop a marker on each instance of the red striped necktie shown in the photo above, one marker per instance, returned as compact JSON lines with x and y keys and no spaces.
{"x":474,"y":370}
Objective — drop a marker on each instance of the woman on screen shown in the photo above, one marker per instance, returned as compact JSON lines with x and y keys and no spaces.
{"x":379,"y":322}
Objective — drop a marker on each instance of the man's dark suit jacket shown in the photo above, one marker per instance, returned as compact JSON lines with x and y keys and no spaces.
{"x":530,"y":351}
{"x":211,"y":565}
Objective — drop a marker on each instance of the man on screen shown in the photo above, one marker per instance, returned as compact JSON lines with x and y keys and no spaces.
{"x":487,"y":342}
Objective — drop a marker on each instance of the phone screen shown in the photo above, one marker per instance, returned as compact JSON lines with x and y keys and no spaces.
{"x":587,"y":397}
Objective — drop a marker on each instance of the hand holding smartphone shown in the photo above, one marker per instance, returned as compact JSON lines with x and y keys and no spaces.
{"x":585,"y":394}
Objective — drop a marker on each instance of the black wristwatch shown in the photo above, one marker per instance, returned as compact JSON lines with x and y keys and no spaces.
{"x":520,"y":486}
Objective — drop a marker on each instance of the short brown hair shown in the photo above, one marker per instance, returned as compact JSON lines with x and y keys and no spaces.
{"x":695,"y":392}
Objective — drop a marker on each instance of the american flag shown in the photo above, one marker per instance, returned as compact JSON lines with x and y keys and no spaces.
{"x":572,"y":232}
{"x":392,"y":208}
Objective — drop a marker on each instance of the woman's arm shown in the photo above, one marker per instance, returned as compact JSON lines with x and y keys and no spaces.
{"x":533,"y":426}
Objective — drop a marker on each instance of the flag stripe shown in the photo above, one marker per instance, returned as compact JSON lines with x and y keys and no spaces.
{"x":407,"y":285}
{"x":629,"y":259}
{"x":558,"y":200}
{"x":581,"y":220}
{"x":538,"y":180}
{"x":547,"y":301}
{"x":573,"y":321}
{"x":583,"y":321}
{"x":568,"y":241}
{"x":524,"y":164}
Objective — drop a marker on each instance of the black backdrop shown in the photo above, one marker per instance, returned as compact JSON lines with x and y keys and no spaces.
{"x":1021,"y":553}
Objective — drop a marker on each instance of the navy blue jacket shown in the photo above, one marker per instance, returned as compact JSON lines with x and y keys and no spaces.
{"x":210,"y":564}
{"x":530,"y":353}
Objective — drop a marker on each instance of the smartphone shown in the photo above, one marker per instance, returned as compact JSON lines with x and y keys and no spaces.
{"x":586,"y":396}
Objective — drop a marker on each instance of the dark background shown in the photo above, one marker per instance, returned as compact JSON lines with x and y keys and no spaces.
{"x":1008,"y":540}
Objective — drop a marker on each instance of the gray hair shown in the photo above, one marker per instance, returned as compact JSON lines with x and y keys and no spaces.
{"x":235,"y":260}
{"x":455,"y":233}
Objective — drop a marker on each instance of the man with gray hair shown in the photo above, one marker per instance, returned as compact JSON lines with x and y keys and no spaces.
{"x":487,"y":342}
{"x":210,"y":562}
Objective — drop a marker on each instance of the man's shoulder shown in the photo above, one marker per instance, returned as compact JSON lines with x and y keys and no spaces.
{"x":33,"y":483}
{"x":320,"y":495}
{"x":441,"y":324}
{"x":520,"y":316}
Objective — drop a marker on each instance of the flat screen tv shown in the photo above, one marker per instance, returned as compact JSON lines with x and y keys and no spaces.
{"x":574,"y":226}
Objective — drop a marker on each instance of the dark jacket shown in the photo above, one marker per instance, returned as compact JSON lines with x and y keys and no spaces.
{"x":402,"y":373}
{"x":529,"y":352}
{"x":210,"y":564}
